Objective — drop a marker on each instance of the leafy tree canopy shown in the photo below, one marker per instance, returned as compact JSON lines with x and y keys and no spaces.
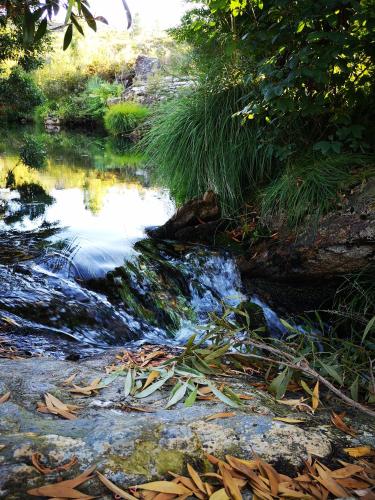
{"x":307,"y":62}
{"x":33,"y":16}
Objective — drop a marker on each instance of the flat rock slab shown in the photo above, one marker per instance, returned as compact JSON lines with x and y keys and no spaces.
{"x":131,"y":447}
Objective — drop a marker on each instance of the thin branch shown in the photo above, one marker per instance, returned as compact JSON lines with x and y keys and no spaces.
{"x":304,"y":367}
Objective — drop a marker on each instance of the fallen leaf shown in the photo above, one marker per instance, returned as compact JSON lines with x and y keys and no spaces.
{"x":65,"y":489}
{"x":220,"y":415}
{"x":220,"y":495}
{"x":142,"y":409}
{"x":115,"y":489}
{"x":57,"y":407}
{"x":329,"y":483}
{"x":340,"y":424}
{"x":315,"y":397}
{"x":88,"y":390}
{"x":196,"y":479}
{"x":164,"y":487}
{"x":153,"y":375}
{"x":36,"y":457}
{"x":272,"y":475}
{"x":69,"y":380}
{"x":4,"y":398}
{"x":287,"y":420}
{"x":230,"y":485}
{"x":360,"y":451}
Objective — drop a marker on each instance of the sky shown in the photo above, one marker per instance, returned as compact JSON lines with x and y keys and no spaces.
{"x":153,"y":13}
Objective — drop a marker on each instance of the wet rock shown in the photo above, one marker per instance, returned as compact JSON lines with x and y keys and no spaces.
{"x":342,"y":242}
{"x":131,"y":447}
{"x":196,"y":221}
{"x":50,"y":303}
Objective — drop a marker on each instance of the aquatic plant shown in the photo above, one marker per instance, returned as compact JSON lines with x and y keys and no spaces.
{"x":123,"y":118}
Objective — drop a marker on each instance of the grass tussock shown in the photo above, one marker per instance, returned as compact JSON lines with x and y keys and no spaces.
{"x":196,"y":143}
{"x":123,"y":118}
{"x":310,"y":187}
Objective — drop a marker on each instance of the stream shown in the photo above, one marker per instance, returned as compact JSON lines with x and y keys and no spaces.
{"x":78,"y":273}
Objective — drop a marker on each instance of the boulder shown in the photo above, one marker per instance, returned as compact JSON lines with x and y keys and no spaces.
{"x":196,"y":221}
{"x":145,"y":66}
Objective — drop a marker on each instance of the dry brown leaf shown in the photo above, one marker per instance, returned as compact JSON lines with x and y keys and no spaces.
{"x":65,"y":489}
{"x":88,"y":390}
{"x":340,"y":424}
{"x":272,"y":475}
{"x":346,"y":471}
{"x":4,"y":398}
{"x":315,"y":397}
{"x":360,"y":451}
{"x":329,"y":483}
{"x":287,"y":420}
{"x":69,"y":380}
{"x":190,"y":485}
{"x":35,"y":459}
{"x":220,"y":495}
{"x":164,"y":487}
{"x":115,"y":489}
{"x":57,"y":407}
{"x":220,"y":415}
{"x":230,"y":485}
{"x":196,"y":479}
{"x":203,"y":391}
{"x":164,"y":496}
{"x":353,"y":484}
{"x":142,"y":409}
{"x":245,"y":396}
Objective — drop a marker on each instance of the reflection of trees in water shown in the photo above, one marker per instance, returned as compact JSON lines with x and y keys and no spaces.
{"x":31,"y":204}
{"x":75,"y":160}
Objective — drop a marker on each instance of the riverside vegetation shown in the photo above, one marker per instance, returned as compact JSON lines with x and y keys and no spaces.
{"x":278,"y":122}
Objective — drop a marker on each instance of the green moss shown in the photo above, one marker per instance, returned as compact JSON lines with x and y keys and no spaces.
{"x":150,"y":461}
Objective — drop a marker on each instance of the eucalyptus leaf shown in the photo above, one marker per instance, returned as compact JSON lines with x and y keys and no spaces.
{"x":154,"y":387}
{"x":128,"y":383}
{"x":178,"y":395}
{"x":280,"y":383}
{"x":225,"y":399}
{"x":190,"y":400}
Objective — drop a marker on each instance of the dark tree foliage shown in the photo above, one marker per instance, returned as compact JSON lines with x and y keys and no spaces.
{"x":308,"y":65}
{"x":34,"y":17}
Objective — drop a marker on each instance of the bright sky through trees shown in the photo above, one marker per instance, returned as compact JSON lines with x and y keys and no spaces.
{"x":152,"y":13}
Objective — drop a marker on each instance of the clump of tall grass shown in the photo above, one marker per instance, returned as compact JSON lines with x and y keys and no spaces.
{"x":309,"y":187}
{"x":123,"y":118}
{"x":196,"y":143}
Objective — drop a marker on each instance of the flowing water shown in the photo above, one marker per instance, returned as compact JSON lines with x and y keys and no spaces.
{"x":77,"y":271}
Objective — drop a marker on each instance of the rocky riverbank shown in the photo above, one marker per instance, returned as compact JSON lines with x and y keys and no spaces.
{"x":132,"y":440}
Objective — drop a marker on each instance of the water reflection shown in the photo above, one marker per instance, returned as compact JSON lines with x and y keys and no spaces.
{"x":94,"y":188}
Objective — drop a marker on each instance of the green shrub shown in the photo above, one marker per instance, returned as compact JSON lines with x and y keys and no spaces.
{"x":309,"y":187}
{"x":88,"y":105}
{"x":19,"y":95}
{"x":123,"y":118}
{"x":32,"y":152}
{"x":196,"y":144}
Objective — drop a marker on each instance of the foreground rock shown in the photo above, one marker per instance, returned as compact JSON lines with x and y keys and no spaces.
{"x":132,"y":447}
